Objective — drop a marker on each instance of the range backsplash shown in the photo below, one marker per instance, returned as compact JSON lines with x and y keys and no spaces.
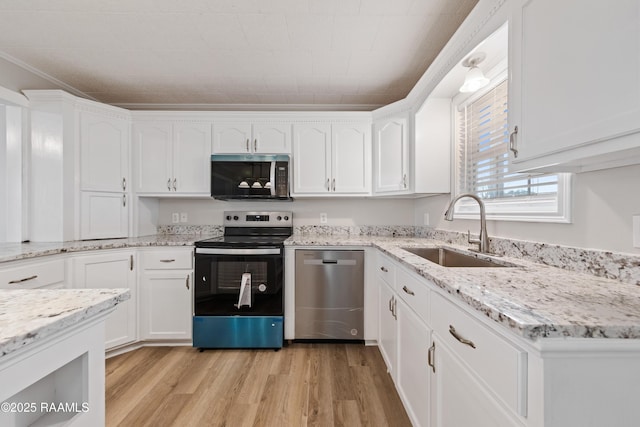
{"x":612,"y":265}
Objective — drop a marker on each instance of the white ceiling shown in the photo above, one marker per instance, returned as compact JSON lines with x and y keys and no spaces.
{"x":349,"y":54}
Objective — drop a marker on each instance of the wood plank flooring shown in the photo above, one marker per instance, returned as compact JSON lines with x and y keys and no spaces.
{"x":304,"y":384}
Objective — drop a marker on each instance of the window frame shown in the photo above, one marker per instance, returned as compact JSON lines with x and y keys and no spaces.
{"x":555,"y":209}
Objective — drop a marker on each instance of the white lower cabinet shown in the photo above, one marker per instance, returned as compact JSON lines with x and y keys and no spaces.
{"x":458,"y":399}
{"x":166,"y":294}
{"x":38,"y":274}
{"x":412,"y":377}
{"x":387,"y":334}
{"x":111,"y":269}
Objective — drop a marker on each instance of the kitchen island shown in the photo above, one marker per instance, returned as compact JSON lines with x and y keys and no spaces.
{"x":52,"y":355}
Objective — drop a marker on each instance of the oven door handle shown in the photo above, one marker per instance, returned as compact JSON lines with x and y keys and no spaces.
{"x":225,"y":251}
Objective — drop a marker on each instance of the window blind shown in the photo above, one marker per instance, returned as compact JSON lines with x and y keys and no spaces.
{"x":483,"y":155}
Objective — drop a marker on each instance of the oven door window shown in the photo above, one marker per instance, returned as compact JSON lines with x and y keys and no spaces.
{"x":219,"y":284}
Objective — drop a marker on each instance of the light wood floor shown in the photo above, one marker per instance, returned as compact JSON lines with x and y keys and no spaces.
{"x":301,"y":385}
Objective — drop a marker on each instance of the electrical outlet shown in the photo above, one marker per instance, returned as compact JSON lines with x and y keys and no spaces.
{"x":184,"y":217}
{"x":323,"y":218}
{"x":636,"y":231}
{"x":426,"y":218}
{"x":175,"y":217}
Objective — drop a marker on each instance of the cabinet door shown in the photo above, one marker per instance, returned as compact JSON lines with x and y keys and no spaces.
{"x":271,"y":138}
{"x":312,"y":159}
{"x":104,"y":215}
{"x":388,"y":336}
{"x":165,"y":305}
{"x":104,"y":153}
{"x":112,"y":270}
{"x":576,"y":83}
{"x":412,"y":378}
{"x":351,"y":158}
{"x":232,"y":138}
{"x":192,"y":157}
{"x":153,"y":152}
{"x":392,"y":156}
{"x":458,"y":399}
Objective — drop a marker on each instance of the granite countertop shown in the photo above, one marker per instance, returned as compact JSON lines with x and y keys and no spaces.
{"x":18,"y":251}
{"x":28,"y":316}
{"x":532,"y":300}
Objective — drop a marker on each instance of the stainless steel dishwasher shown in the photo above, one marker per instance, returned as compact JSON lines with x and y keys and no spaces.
{"x":329,"y":293}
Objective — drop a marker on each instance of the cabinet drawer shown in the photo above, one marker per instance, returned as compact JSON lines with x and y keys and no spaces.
{"x":167,"y":260}
{"x":386,"y":269}
{"x":500,"y":365}
{"x":414,"y":292}
{"x":34,"y":275}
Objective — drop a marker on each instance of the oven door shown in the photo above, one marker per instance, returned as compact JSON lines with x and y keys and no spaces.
{"x":244,"y":282}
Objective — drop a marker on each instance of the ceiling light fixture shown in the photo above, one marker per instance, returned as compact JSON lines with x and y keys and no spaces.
{"x":474,"y":78}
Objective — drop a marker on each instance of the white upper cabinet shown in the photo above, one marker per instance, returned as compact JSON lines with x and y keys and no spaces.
{"x":230,"y":137}
{"x":312,"y":158}
{"x":574,"y":89}
{"x":332,"y":159}
{"x":104,"y":152}
{"x":104,"y":175}
{"x":351,"y":158}
{"x":391,"y":155}
{"x":172,"y":158}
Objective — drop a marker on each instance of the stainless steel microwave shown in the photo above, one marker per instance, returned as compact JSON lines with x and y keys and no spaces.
{"x":250,"y":177}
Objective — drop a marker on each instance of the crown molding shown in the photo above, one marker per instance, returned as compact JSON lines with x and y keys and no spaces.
{"x":42,"y":74}
{"x":247,"y":107}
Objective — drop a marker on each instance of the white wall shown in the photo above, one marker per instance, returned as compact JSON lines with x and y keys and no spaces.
{"x":305,"y":211}
{"x":603,"y":203}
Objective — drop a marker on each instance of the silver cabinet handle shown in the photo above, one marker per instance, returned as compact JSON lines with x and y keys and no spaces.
{"x":247,"y":145}
{"x":334,"y":184}
{"x":404,"y":180}
{"x":169,"y":184}
{"x":26,"y":279}
{"x":187,"y":282}
{"x":391,"y":305}
{"x":124,"y":200}
{"x":328,"y":187}
{"x":124,"y":184}
{"x":513,"y":141}
{"x":175,"y":184}
{"x":255,"y":145}
{"x":457,"y":336}
{"x":167,"y":260}
{"x":408,"y":291}
{"x":431,"y":357}
{"x":384,"y":269}
{"x":395,"y":309}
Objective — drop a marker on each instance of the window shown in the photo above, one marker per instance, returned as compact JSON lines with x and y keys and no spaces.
{"x":483,"y":165}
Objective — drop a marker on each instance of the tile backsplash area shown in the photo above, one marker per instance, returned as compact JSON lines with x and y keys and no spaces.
{"x":612,"y":265}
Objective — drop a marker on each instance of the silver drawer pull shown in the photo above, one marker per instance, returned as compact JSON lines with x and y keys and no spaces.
{"x":167,"y":260}
{"x":26,"y":279}
{"x":384,"y":269}
{"x":457,"y":336}
{"x":408,"y":291}
{"x":430,"y":357}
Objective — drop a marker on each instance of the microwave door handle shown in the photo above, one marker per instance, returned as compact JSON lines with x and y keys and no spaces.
{"x":272,"y":178}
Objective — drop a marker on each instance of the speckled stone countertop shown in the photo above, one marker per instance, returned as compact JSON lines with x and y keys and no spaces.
{"x":17,"y":251}
{"x":27,"y":316}
{"x":532,"y":300}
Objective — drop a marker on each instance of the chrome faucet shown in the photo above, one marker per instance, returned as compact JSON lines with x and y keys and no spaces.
{"x":483,"y":239}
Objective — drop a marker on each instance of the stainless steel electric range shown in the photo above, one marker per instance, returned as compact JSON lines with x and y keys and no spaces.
{"x":239,"y":279}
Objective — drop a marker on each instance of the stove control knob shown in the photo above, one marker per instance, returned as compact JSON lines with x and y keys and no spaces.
{"x":235,"y":217}
{"x":228,"y":217}
{"x":286,"y":218}
{"x":279,"y":218}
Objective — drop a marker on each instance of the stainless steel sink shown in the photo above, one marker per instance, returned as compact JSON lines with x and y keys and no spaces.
{"x":448,"y":258}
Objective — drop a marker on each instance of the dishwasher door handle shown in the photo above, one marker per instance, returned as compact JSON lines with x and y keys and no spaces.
{"x":330,"y":262}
